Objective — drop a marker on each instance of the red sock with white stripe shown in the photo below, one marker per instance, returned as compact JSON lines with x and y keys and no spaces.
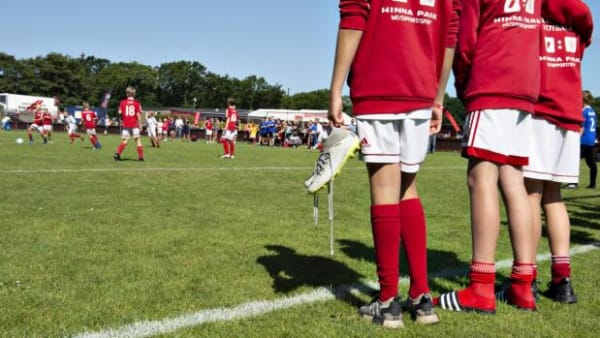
{"x":385,"y":224}
{"x":519,"y":292}
{"x":561,"y":268}
{"x":414,"y":241}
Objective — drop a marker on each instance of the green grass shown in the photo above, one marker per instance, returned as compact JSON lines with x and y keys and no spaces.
{"x":90,"y":244}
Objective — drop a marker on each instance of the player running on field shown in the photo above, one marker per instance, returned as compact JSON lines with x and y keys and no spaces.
{"x":89,"y":123}
{"x":131,"y":114}
{"x":72,"y":128}
{"x":37,"y":124}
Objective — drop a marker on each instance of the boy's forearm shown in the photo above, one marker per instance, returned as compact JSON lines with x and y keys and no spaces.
{"x":444,"y":76}
{"x":347,"y":44}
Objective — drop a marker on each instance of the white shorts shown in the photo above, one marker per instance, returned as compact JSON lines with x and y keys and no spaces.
{"x":151,"y":131}
{"x":401,"y":140}
{"x":47,"y":127}
{"x":91,"y":131}
{"x":127,"y":132}
{"x":208,"y":132}
{"x":72,"y":129}
{"x":230,"y":135}
{"x":34,"y":126}
{"x":497,"y":135}
{"x":554,"y":153}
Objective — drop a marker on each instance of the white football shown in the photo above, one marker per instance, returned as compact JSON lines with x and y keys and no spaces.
{"x":19,"y":140}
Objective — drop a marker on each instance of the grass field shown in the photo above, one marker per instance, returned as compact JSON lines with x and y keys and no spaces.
{"x":189,"y":245}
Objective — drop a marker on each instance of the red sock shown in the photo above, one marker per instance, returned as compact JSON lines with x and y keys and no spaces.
{"x":478,"y":296}
{"x":414,"y":241}
{"x":561,"y":268}
{"x":93,"y":142}
{"x":121,"y":148}
{"x":231,"y":148}
{"x":72,"y":138}
{"x":385,"y":224}
{"x":519,"y":293}
{"x":225,"y":147}
{"x":140,"y":151}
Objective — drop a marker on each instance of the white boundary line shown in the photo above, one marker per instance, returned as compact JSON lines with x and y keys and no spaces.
{"x":101,"y":170}
{"x":257,"y":308}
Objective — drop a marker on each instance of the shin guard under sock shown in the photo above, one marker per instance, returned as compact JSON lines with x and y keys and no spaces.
{"x":414,"y":241}
{"x":385,"y":224}
{"x":121,"y":148}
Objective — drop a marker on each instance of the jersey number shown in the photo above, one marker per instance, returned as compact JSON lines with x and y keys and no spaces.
{"x":514,"y":6}
{"x":129,"y":110}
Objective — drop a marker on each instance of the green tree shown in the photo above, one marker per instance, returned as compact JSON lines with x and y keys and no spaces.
{"x":180,"y":82}
{"x":318,"y":99}
{"x":456,"y":108}
{"x":9,"y":73}
{"x":117,"y":76}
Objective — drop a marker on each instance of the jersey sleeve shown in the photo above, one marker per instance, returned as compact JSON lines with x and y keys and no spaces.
{"x":452,"y":37}
{"x":465,"y":46}
{"x":354,"y":14}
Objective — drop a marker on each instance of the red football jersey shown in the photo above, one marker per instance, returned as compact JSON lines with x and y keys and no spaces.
{"x":232,"y":117}
{"x":47,"y":119}
{"x":561,"y":52}
{"x":37,"y":118}
{"x":399,"y":60}
{"x":496,"y":65}
{"x":130,"y":110}
{"x":89,"y":119}
{"x":208,"y":125}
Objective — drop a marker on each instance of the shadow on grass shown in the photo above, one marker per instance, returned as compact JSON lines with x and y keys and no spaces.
{"x":291,"y":270}
{"x":442,"y":264}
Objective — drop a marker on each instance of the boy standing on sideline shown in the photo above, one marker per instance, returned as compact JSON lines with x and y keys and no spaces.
{"x":131,"y":115}
{"x":397,"y":57}
{"x":554,"y":157}
{"x":588,"y":137}
{"x":497,"y":75}
{"x":230,"y":130}
{"x":208,"y":125}
{"x":89,"y":122}
{"x":151,"y":128}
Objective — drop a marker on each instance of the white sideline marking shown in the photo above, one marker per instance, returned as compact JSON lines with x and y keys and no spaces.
{"x":101,"y":170}
{"x":257,"y":308}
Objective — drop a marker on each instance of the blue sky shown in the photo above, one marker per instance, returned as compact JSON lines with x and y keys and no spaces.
{"x":288,"y":42}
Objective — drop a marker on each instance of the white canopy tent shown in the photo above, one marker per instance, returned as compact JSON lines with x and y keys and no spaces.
{"x":294,"y":115}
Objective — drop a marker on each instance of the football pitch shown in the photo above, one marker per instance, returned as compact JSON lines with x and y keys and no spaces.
{"x":189,"y":245}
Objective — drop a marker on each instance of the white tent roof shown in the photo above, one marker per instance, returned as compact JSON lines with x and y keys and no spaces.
{"x":295,"y":115}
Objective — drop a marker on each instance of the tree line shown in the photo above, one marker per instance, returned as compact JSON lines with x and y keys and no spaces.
{"x":183,"y":84}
